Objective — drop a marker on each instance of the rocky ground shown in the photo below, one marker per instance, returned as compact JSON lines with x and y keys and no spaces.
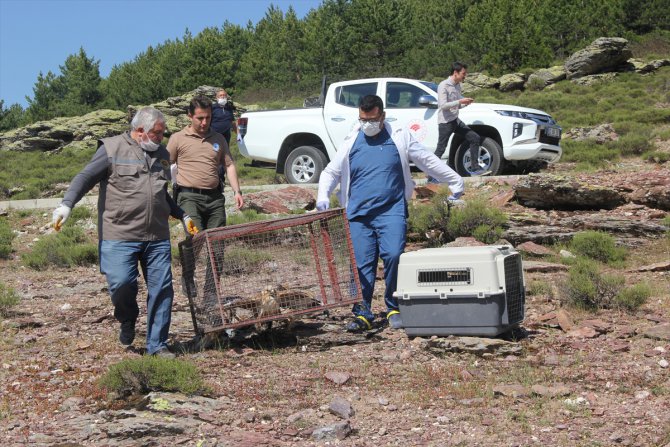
{"x":566,"y":378}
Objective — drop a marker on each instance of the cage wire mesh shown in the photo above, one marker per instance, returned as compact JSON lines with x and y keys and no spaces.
{"x":270,"y":270}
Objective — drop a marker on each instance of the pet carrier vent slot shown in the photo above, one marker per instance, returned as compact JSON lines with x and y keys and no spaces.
{"x":514,"y":288}
{"x":444,"y":277}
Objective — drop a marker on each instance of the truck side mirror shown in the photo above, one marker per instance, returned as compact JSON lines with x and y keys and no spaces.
{"x":428,"y":101}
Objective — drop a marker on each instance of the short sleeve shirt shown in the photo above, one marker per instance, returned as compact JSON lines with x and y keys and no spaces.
{"x":198,"y":158}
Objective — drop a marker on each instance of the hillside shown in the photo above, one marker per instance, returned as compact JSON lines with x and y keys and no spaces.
{"x":588,"y":366}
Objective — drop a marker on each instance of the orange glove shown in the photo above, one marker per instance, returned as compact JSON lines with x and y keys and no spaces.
{"x":60,"y":215}
{"x":189,"y":226}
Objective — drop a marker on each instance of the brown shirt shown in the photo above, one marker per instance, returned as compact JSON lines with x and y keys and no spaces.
{"x":198,"y":158}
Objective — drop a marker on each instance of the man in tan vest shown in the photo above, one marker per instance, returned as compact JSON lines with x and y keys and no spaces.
{"x":133,"y":171}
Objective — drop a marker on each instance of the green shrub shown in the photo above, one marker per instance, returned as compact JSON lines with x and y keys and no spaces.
{"x":539,"y":287}
{"x":245,"y":216}
{"x":666,"y":223}
{"x":425,"y":218}
{"x":657,"y":157}
{"x":476,"y":219}
{"x":536,"y":84}
{"x":631,"y":144}
{"x":243,"y":260}
{"x":69,"y":247}
{"x":597,"y":245}
{"x":6,"y":237}
{"x":79,"y":213}
{"x":588,"y":152}
{"x":632,"y":297}
{"x":151,"y":373}
{"x":8,"y":298}
{"x":587,"y":288}
{"x":36,"y":172}
{"x":24,"y":213}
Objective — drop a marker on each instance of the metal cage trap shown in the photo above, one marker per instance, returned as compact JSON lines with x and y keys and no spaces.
{"x":269,"y":270}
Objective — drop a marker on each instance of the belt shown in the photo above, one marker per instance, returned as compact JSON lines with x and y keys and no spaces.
{"x":199,"y":190}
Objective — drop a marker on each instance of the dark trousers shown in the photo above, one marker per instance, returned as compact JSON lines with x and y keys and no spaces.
{"x":207,"y":211}
{"x":459,"y":128}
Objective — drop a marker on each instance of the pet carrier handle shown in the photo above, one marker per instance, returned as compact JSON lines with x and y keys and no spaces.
{"x":441,"y":295}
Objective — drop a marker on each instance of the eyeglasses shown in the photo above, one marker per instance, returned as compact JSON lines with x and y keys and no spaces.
{"x":369,"y":120}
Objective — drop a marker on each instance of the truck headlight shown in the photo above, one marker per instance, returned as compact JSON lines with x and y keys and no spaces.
{"x":512,"y":113}
{"x":517,"y":129}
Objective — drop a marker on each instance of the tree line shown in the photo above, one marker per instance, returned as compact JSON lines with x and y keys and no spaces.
{"x":344,"y":39}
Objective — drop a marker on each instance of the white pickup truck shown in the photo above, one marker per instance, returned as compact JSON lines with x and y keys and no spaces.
{"x":302,"y":141}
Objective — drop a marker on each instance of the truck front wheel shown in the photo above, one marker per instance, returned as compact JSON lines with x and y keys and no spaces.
{"x":491,"y":161}
{"x":304,"y":165}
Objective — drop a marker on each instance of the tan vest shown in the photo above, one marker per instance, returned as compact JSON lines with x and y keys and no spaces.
{"x":133,"y":205}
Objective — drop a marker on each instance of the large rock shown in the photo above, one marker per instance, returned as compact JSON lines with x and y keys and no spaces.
{"x":63,"y":132}
{"x":647,"y":67}
{"x":556,"y":192}
{"x":650,"y":189}
{"x":475,"y":81}
{"x":59,"y":132}
{"x":604,"y":54}
{"x":512,"y":81}
{"x":175,"y":108}
{"x":590,"y":80}
{"x":545,"y":77}
{"x":285,"y":200}
{"x":601,"y":133}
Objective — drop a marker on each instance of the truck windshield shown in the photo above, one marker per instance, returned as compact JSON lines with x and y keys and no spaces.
{"x":430,"y":85}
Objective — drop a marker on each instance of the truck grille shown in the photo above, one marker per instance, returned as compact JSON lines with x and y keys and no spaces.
{"x":444,"y":277}
{"x":515,"y":293}
{"x":544,"y":138}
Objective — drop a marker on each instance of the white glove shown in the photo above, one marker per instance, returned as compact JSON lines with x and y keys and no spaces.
{"x":189,"y":226}
{"x":173,"y":173}
{"x":60,"y":215}
{"x":323,"y":205}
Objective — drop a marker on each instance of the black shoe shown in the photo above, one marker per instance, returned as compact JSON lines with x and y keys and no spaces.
{"x":127,"y":334}
{"x":164,"y":353}
{"x":359,"y":324}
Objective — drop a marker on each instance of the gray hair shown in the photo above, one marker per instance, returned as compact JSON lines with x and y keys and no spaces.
{"x":146,"y":118}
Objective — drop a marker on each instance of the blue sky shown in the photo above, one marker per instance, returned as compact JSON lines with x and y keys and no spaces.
{"x":38,"y":35}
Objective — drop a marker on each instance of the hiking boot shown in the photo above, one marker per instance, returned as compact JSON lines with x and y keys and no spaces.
{"x":127,"y":334}
{"x":164,"y":353}
{"x":394,"y":319}
{"x":359,"y":324}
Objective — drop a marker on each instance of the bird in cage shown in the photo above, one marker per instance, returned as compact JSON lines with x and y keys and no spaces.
{"x":267,"y":304}
{"x":296,"y":299}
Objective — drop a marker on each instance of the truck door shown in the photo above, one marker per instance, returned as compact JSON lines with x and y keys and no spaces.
{"x":403,"y":109}
{"x":340,"y":112}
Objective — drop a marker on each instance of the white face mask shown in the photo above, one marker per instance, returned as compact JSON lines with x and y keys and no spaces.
{"x":222,"y":101}
{"x":149,"y":145}
{"x":371,"y":128}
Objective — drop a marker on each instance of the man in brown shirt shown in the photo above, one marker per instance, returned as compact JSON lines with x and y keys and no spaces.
{"x":198,"y":151}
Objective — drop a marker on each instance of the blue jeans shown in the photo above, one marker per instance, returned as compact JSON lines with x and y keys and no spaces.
{"x":118,"y":261}
{"x":374,"y":237}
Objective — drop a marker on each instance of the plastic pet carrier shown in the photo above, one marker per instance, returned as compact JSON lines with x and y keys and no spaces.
{"x":461,"y":291}
{"x":269,"y":270}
